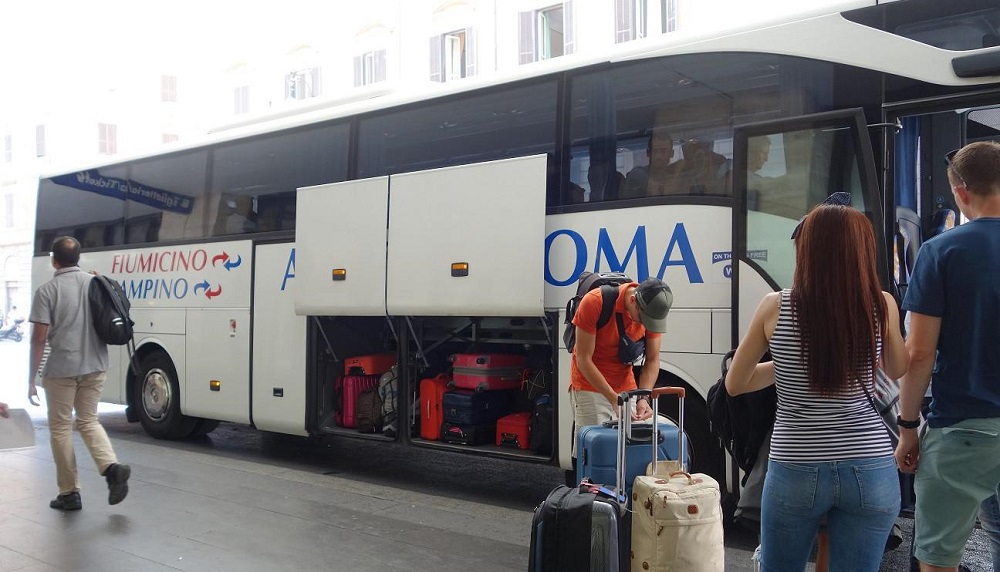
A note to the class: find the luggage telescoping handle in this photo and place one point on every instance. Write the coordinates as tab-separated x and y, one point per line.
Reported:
679	392
625	429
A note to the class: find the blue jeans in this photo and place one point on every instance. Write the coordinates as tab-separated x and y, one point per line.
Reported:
989	517
859	499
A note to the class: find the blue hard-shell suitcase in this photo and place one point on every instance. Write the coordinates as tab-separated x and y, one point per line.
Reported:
597	448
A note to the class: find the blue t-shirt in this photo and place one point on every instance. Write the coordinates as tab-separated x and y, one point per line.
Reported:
957	278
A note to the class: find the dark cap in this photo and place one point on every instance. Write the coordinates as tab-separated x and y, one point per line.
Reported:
654	298
840	198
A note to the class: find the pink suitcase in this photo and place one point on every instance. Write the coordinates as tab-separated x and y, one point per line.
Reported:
488	371
346	394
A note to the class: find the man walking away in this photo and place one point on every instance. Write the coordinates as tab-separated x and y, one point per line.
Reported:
954	304
73	377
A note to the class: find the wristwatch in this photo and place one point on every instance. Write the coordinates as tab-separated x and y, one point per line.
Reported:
905	424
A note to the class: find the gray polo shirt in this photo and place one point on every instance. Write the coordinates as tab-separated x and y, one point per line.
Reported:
62	303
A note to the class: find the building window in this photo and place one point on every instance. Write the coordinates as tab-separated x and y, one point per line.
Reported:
168	137
39	140
107	138
669	11
302	84
8	210
168	88
630	20
369	68
242	94
546	33
8	148
453	55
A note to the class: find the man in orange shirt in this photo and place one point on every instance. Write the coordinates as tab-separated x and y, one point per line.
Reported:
599	372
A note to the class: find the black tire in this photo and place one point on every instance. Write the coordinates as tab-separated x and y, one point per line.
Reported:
706	456
157	397
204	427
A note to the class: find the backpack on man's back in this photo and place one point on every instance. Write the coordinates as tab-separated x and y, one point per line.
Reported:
608	282
109	311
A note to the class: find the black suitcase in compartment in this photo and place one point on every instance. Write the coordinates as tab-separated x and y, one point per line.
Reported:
467	407
464	434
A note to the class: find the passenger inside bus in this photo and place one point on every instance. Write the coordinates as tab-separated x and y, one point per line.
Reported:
659	176
702	171
605	181
243	219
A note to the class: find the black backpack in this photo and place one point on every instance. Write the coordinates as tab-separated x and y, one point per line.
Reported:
109	309
741	422
608	282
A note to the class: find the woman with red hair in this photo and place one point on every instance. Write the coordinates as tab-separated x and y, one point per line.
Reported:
831	458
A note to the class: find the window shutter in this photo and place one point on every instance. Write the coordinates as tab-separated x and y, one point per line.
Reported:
470	52
380	68
568	38
526	38
315	88
359	71
624	20
39	140
437	74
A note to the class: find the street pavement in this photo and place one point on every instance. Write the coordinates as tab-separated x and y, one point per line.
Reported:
241	499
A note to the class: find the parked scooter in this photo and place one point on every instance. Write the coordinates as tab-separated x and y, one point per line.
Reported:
13	331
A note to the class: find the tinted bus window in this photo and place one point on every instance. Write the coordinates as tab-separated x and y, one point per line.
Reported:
88	205
664	127
253	182
167	198
512	122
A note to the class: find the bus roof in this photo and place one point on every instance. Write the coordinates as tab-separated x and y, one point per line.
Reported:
833	37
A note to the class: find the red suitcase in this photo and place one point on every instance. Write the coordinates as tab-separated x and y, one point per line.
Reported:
488	371
347	389
431	406
512	430
374	364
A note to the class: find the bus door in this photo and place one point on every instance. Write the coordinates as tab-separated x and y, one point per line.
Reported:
924	205
782	169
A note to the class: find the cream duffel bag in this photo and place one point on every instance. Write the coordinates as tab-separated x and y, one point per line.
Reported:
677	524
676	516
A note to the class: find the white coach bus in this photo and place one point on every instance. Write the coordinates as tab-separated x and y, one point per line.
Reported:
689	159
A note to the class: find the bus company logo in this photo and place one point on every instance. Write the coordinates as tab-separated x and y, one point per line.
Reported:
677	253
718	257
727	259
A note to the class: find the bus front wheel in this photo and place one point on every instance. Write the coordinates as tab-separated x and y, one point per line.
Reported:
158	396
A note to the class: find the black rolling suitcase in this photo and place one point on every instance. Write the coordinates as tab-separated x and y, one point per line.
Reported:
571	519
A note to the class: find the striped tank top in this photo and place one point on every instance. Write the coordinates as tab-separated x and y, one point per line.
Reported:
810	427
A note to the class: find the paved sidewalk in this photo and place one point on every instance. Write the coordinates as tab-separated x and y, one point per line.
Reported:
196	511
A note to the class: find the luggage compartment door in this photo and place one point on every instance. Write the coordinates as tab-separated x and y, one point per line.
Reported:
490	216
341	227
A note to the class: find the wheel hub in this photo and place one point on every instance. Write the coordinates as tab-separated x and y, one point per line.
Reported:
156	394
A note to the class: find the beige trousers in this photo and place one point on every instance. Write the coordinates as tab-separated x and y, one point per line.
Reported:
62	396
590	408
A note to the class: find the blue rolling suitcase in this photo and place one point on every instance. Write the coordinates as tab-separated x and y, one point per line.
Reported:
597	447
